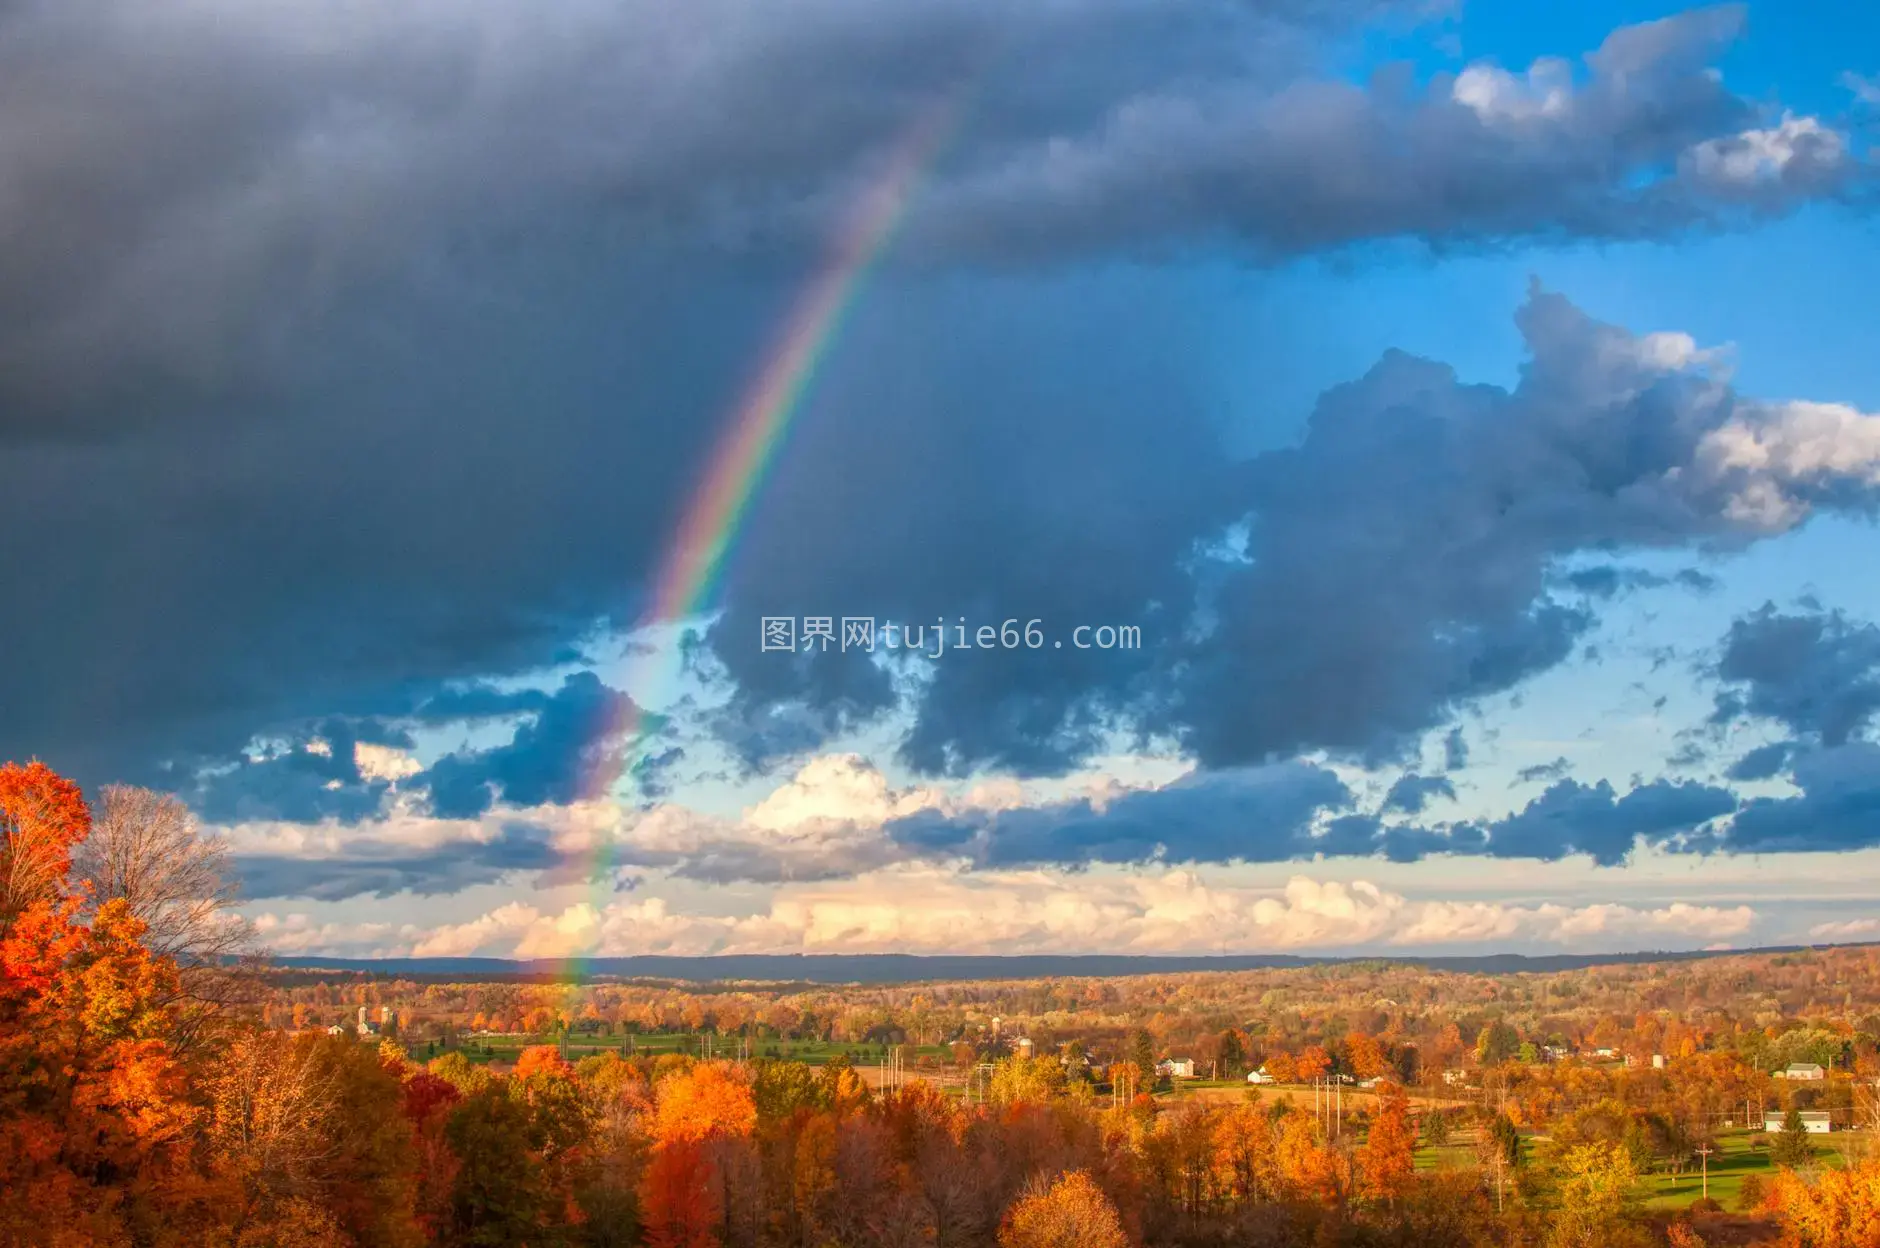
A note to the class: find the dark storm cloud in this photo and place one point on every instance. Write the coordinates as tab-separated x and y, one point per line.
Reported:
372	546
1574	818
1399	564
194	186
1815	672
1636	140
997	491
1411	793
348	358
1256	815
382	868
236	171
1837	809
306	781
1399	559
1272	814
547	760
1762	763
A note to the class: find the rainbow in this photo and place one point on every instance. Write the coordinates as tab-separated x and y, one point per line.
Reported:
696	558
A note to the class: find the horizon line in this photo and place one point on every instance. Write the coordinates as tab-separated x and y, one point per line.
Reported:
875	968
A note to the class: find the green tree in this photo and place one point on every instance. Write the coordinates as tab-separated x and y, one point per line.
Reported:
1503	1139
498	1195
1436	1128
1497	1043
781	1088
1792	1147
371	1166
1142	1057
1233	1054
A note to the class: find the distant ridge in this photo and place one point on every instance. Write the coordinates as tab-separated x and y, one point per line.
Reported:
901	968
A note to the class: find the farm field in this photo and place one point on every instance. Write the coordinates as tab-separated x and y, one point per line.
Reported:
1739	1154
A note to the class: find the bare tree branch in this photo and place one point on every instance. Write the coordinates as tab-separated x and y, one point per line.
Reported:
147	848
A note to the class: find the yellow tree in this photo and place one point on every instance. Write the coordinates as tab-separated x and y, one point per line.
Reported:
1596	1182
1838	1209
1071	1212
1032	1079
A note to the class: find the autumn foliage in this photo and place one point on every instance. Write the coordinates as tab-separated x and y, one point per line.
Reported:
1387	1159
1071	1212
133	1115
1833	1209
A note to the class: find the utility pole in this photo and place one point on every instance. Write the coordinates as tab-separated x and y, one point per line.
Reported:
1704	1153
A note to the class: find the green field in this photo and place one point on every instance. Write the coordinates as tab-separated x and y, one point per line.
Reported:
1458	1154
1736	1156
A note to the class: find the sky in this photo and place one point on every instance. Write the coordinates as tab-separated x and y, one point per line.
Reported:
410	418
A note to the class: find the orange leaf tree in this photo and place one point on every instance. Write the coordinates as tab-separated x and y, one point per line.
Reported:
42	816
678	1198
1072	1212
1387	1160
1837	1209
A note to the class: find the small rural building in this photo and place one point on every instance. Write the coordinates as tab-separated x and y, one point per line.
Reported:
1259	1076
1802	1070
1022	1046
1815	1122
1176	1067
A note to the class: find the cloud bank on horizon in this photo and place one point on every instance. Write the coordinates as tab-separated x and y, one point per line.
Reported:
355	374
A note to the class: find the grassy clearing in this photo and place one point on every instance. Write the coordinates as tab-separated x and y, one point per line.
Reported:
1455	1155
1739	1153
